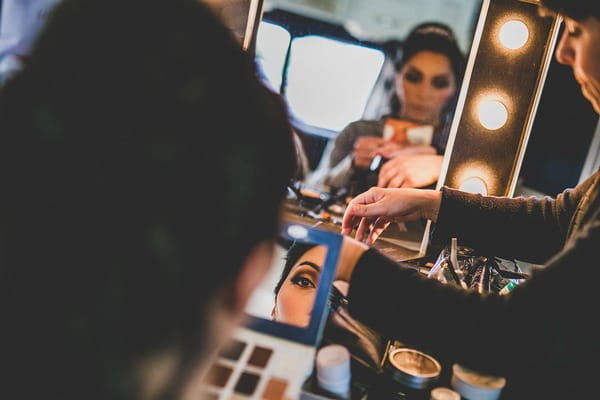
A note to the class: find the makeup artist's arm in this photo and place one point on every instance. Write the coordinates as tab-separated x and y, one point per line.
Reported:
508	335
529	229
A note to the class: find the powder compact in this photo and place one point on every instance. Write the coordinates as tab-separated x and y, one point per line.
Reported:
413	368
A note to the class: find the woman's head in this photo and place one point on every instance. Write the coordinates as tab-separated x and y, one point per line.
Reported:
579	46
296	290
428	74
124	176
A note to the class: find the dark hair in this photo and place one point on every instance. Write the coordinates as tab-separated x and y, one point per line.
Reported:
435	37
293	254
142	160
575	9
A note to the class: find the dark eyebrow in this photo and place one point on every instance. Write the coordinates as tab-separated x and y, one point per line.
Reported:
310	264
412	68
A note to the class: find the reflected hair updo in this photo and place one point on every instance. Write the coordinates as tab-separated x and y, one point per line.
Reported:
435	37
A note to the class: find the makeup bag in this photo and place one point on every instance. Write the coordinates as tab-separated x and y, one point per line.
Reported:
469	269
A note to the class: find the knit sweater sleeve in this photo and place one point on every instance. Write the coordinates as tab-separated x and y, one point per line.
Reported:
529	229
536	332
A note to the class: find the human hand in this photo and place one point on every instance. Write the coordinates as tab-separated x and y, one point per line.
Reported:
389	149
365	148
371	212
410	171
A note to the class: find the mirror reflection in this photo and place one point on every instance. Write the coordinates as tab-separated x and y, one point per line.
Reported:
340	62
287	295
296	289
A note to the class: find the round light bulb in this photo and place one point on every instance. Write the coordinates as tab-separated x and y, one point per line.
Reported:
474	185
492	114
514	34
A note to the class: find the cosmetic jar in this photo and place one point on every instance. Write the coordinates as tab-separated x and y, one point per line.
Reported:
443	393
413	368
333	370
473	385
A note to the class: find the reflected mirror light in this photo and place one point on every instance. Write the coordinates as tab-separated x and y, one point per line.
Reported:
492	114
297	231
474	185
292	294
513	34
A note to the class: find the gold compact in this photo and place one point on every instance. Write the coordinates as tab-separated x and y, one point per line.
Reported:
413	368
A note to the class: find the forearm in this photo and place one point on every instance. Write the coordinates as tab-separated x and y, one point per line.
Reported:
526	229
479	330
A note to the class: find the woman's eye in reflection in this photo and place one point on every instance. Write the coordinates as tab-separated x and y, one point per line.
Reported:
441	82
413	76
302	281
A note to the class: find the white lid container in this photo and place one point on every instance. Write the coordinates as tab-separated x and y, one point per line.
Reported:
333	369
473	385
443	393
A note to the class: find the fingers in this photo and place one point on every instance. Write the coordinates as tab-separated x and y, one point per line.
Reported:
363	228
352	217
364	213
390	178
382	180
389	149
377	229
369	229
385	174
359	207
397	182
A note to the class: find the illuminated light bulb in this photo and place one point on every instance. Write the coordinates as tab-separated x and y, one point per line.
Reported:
474	185
513	34
492	114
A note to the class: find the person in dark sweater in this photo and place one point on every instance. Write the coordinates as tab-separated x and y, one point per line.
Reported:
542	336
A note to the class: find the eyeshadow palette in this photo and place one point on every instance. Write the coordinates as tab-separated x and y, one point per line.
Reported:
272	354
255	367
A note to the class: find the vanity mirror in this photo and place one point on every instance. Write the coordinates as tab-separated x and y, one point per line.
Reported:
333	61
329	59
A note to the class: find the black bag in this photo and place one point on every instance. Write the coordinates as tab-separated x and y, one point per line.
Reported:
366	346
484	273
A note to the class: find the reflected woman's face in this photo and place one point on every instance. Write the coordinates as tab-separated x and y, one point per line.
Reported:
296	297
425	84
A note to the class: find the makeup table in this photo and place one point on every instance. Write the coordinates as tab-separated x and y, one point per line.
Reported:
401	242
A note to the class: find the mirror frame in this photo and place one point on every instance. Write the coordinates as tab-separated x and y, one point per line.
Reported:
516	79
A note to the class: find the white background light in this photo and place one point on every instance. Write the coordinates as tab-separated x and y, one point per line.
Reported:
474	185
513	34
492	114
